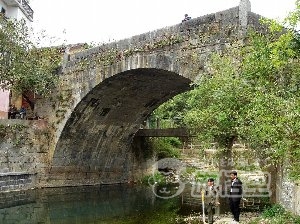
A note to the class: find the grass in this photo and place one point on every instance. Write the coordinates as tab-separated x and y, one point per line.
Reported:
276	214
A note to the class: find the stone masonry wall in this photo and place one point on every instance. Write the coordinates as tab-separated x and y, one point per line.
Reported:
16	181
23	154
288	192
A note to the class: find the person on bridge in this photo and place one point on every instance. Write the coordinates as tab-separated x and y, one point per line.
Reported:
22	112
235	195
12	112
186	18
211	199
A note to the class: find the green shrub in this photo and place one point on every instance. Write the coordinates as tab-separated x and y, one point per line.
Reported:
164	148
276	214
275	210
173	141
203	177
151	179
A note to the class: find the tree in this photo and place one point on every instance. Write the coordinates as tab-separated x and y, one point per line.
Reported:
173	110
23	66
252	93
271	119
215	106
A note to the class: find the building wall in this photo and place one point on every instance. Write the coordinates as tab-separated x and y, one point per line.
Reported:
13	12
4	94
16	13
3	5
4	103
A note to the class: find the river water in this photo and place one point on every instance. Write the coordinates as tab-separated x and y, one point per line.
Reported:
105	204
84	205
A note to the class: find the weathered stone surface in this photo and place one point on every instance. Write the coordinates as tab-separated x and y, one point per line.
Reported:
108	91
104	95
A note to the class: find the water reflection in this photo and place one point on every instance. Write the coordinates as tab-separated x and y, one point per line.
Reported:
118	204
76	205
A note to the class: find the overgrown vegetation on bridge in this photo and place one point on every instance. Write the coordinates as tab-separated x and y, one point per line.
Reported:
250	93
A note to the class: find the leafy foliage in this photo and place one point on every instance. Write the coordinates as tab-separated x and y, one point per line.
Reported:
273	211
203	177
150	179
251	92
174	110
165	147
276	214
23	66
270	121
215	103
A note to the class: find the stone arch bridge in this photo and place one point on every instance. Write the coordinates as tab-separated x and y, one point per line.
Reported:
108	91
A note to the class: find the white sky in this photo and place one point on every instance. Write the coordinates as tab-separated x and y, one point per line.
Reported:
102	21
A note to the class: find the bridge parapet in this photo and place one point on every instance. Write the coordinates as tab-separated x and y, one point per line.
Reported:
203	30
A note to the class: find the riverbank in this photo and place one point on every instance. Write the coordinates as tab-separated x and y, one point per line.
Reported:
245	218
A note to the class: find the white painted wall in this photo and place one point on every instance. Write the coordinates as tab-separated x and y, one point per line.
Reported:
13	12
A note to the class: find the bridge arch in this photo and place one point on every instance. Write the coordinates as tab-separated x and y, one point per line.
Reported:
96	139
112	88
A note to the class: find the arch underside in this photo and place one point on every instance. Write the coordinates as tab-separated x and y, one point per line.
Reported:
95	144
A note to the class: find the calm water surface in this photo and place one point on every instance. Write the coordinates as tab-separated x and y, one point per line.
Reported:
78	205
